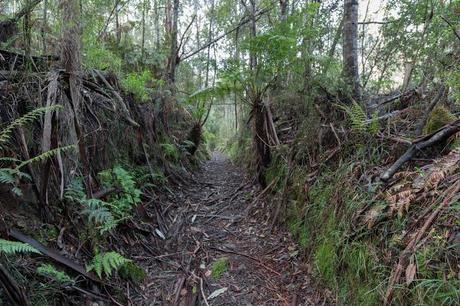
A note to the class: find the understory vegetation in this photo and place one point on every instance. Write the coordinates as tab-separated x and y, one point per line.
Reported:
344	114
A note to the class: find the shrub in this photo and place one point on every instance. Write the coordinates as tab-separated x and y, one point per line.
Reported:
102	59
135	83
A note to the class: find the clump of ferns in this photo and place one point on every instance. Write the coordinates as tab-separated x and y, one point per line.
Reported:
118	207
13	174
359	120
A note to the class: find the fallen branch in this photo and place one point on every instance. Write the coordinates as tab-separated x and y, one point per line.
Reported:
424	142
120	100
434	102
250	257
406	93
52	254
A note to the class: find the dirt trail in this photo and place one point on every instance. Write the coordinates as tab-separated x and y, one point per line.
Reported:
213	220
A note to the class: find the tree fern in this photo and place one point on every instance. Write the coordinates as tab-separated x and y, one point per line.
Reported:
106	263
13	247
59	276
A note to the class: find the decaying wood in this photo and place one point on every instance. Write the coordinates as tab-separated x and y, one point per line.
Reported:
424	142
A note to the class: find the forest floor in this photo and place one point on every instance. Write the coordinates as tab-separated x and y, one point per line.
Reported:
217	252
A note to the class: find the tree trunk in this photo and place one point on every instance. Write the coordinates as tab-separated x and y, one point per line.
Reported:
71	62
144	8
206	80
117	25
157	24
283	9
44	26
350	48
27	36
173	60
253	29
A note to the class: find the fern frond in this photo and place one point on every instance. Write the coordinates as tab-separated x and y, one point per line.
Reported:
75	191
357	116
6	176
106	263
374	125
52	272
99	215
46	155
5	134
13	247
9	159
17	191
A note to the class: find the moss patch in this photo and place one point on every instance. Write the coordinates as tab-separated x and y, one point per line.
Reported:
439	117
219	267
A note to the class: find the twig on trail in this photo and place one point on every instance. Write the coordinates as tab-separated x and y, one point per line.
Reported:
201	288
233	218
263	192
180	284
112	299
89	293
248	256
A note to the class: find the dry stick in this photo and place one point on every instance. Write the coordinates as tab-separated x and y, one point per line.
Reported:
451	26
412	246
421	143
119	99
250	257
432	105
263	192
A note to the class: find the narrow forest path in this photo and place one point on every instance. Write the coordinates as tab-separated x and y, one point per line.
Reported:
215	246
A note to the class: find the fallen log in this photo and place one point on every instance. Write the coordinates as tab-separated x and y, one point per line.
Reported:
421	143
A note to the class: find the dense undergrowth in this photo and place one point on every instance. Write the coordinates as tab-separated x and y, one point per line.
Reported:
347	224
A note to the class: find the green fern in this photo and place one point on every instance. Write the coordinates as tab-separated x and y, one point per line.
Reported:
357	116
374	126
106	215
359	121
106	263
13	247
6	176
170	151
59	276
99	215
5	133
45	155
